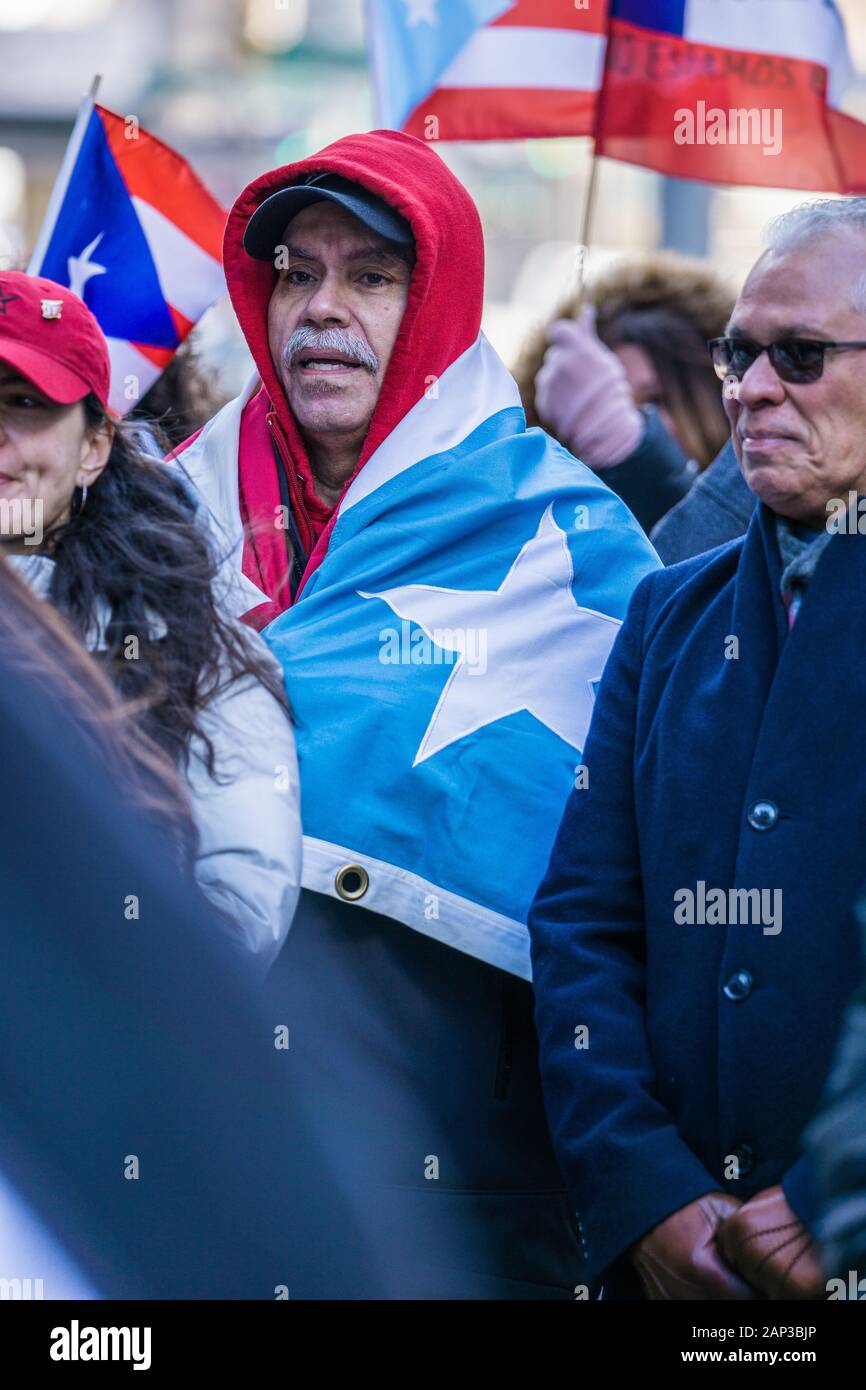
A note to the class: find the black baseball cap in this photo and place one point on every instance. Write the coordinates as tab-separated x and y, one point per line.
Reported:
265	228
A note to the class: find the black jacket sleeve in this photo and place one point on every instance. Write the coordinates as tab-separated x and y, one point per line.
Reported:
655	476
718	509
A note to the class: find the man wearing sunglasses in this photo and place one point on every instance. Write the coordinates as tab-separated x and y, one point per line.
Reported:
695	922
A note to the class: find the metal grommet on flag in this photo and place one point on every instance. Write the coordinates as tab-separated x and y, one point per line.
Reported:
352	882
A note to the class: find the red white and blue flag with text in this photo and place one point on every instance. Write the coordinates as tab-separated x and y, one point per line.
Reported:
730	91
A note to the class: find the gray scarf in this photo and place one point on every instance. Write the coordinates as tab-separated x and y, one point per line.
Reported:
799	557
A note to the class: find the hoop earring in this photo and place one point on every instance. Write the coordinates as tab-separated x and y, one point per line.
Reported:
78	507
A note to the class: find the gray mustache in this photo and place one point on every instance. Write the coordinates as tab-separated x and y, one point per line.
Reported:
333	340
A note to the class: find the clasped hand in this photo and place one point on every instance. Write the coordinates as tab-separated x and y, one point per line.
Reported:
718	1247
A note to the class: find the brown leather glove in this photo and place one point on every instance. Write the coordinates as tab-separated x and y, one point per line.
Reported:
770	1247
678	1258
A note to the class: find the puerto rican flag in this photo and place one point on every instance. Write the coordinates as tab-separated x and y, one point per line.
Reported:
134	233
683	77
486	575
730	91
478	70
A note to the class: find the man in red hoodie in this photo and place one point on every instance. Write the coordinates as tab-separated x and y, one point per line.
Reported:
392	282
333	316
357	276
341	289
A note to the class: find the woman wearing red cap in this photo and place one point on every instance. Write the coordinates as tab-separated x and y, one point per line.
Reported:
109	535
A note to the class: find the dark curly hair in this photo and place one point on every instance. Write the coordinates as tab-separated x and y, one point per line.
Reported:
137	548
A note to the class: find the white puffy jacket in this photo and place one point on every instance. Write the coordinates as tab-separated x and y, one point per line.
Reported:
248	819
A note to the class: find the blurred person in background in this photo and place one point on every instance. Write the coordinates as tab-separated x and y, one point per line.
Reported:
115	544
156	1141
622	378
180	401
711	958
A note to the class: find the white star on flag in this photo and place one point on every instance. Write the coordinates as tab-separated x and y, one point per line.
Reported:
81	268
544	651
421	12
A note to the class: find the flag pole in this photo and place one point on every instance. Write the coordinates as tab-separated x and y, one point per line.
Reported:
378	68
61	183
589	203
586	221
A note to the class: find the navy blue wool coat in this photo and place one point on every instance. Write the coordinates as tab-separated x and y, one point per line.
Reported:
706	1043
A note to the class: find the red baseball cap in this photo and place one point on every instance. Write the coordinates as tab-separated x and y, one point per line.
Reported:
50	336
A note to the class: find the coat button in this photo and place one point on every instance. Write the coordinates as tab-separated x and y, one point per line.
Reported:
763	815
738	987
351	882
746	1159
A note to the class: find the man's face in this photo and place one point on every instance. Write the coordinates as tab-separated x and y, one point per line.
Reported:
801	444
333	319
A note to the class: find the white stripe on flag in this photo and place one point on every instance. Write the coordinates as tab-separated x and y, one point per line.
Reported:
807	29
475	386
506	56
190	279
399	893
132	374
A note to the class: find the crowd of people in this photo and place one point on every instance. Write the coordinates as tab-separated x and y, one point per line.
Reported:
657	1113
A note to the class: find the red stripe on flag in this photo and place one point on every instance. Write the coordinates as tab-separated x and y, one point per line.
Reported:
556	14
651	77
504	113
160	176
160	357
182	325
848	138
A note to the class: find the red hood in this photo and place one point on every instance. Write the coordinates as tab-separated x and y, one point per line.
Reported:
443	312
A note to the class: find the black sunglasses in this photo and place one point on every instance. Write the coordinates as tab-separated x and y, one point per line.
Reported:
793	359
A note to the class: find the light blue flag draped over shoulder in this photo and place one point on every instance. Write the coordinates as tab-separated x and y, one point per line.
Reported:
442	663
